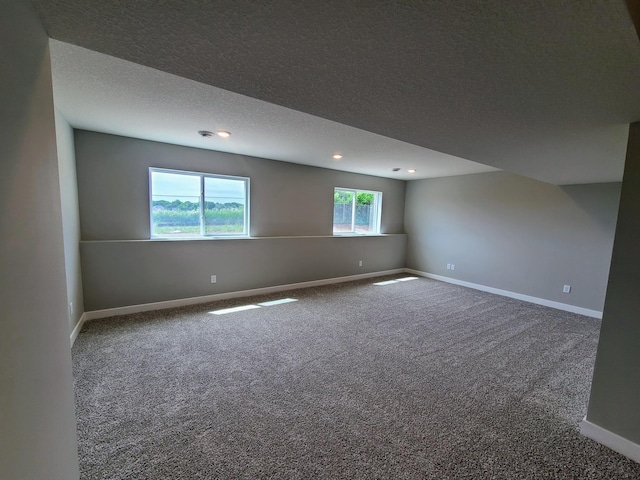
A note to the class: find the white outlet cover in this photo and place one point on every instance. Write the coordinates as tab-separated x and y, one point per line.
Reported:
213	279
566	289
448	266
453	267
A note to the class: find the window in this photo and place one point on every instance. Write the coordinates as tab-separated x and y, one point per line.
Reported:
356	211
189	204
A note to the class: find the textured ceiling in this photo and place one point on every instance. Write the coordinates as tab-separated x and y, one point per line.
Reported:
541	88
107	94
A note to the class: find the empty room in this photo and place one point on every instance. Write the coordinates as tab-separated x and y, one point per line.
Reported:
320	239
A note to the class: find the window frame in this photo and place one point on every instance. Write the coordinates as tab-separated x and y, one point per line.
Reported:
377	203
202	234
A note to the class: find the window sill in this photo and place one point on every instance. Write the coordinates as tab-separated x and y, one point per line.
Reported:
351	234
200	239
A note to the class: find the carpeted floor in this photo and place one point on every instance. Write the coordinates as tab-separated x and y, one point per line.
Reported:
415	379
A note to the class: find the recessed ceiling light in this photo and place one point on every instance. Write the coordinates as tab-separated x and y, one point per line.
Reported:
337	156
205	133
412	170
223	133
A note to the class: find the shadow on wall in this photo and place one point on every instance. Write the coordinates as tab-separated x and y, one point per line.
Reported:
596	203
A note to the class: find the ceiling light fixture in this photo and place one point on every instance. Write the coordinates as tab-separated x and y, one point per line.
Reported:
397	169
412	170
337	156
223	133
205	133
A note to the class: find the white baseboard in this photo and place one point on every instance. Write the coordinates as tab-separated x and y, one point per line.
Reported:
609	439
77	328
111	312
506	293
145	307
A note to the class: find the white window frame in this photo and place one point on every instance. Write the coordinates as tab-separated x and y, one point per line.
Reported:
202	233
377	211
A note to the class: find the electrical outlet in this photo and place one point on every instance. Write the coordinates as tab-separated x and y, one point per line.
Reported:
453	267
448	266
360	263
71	308
566	289
213	279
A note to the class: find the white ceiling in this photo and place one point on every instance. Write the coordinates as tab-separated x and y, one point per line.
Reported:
545	89
107	94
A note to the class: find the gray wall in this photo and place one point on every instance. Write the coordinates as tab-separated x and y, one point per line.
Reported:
37	424
286	198
70	218
291	212
513	233
130	273
615	391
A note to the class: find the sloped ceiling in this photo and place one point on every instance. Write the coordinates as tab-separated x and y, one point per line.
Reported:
101	93
545	89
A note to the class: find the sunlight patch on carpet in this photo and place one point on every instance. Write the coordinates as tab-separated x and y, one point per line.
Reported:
252	307
389	282
278	302
234	309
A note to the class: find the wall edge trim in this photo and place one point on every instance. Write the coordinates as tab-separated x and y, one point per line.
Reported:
609	439
145	307
77	328
506	293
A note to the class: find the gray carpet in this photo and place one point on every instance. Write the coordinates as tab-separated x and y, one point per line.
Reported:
416	379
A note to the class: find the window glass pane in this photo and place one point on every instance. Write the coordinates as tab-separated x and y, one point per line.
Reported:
343	211
356	211
365	213
175	204
224	212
